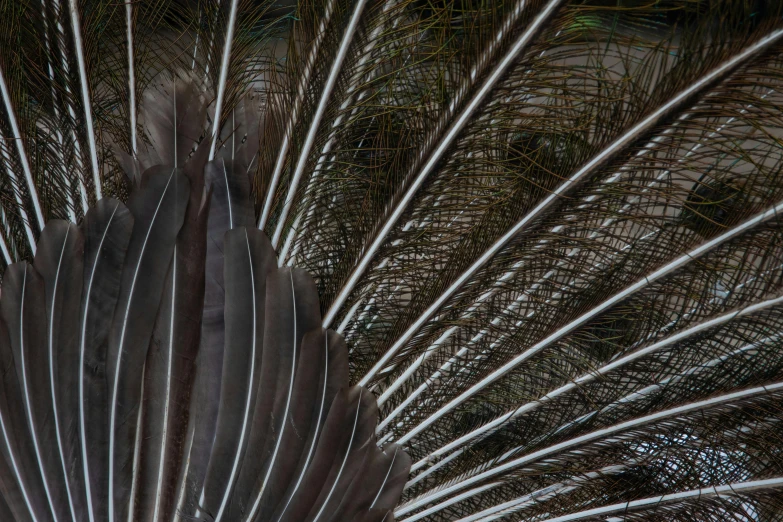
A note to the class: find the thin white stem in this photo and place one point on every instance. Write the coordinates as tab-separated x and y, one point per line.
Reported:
439	465
573	325
9	170
9	451
571	444
577	383
184	483
617	146
211	41
294	118
386	478
524	40
224	64
137	443
28	174
332	139
331	81
65	175
169	376
544	493
4	248
62	46
27	397
321	412
82	365
345	459
53	380
284	418
451	501
246	419
314	180
131	74
82	63
724	491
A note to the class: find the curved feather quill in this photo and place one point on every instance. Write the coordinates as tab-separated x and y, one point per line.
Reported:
23	489
169	367
292	311
107	229
158	211
229	207
249	258
59	261
23	306
331	355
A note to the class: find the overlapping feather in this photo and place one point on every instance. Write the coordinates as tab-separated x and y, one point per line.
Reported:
547	229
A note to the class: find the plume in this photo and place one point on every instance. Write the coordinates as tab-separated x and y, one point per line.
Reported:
376	260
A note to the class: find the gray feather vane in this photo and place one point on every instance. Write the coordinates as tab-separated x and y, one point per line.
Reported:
377	260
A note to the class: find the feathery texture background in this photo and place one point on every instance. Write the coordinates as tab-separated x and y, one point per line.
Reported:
547	229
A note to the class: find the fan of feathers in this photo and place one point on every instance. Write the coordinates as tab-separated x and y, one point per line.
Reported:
375	260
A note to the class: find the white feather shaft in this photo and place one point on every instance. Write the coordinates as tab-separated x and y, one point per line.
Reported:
321	411
345	459
224	64
169	353
440	465
23	160
82	364
573	325
314	185
85	88
228	197
450	502
284	417
597	161
65	175
69	107
137	443
331	81
9	170
292	121
701	494
540	495
446	141
4	248
53	382
9	451
131	75
248	399
386	478
184	475
15	467
571	444
167	396
118	366
27	401
598	373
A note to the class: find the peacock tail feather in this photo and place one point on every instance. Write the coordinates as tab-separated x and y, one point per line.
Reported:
375	260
